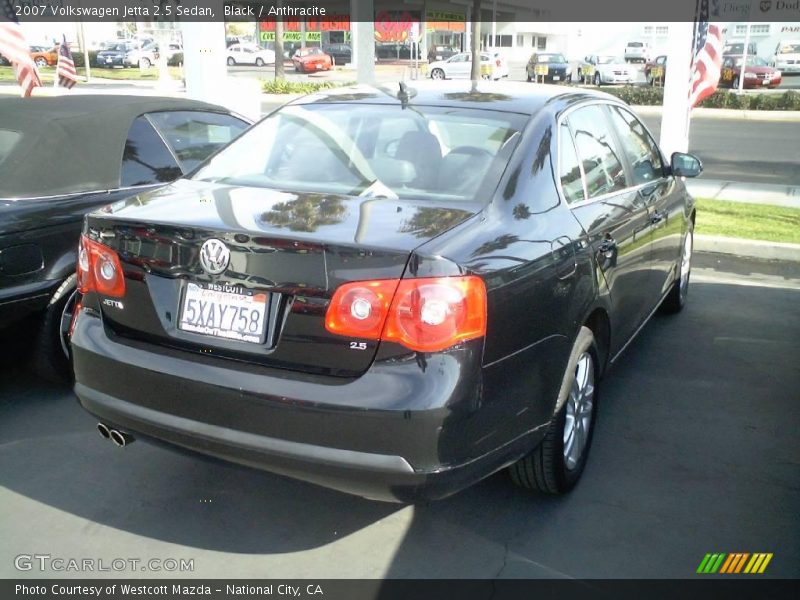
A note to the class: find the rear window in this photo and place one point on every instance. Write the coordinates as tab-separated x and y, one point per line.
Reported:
424	153
635	44
194	135
8	139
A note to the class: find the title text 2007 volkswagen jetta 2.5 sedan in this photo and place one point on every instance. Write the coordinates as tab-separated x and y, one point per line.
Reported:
393	292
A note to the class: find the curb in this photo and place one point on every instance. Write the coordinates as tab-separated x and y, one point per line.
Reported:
750	248
728	113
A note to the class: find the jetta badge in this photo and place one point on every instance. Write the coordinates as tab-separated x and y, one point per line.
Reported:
214	256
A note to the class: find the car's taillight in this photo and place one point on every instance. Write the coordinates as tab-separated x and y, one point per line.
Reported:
425	315
99	269
497	62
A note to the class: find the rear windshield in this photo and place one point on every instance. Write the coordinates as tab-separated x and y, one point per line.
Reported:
605	60
635	44
417	152
752	61
552	58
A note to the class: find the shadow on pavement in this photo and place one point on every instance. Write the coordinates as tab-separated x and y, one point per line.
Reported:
696	451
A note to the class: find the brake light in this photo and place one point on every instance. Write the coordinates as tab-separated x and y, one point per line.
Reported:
99	269
425	315
497	62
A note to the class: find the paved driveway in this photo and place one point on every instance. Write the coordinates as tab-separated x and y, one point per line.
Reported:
697	450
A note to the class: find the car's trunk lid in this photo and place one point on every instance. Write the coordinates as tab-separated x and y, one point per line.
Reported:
288	251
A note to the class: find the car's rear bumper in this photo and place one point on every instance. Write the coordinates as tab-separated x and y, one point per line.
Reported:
403	431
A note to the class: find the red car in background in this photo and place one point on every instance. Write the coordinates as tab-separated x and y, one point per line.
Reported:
757	73
308	60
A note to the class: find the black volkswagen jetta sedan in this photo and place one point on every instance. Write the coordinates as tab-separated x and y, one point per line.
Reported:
393	292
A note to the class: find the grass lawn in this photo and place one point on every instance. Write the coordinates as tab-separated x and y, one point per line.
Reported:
748	221
47	74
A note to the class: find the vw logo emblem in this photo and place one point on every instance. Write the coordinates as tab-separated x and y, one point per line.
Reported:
214	256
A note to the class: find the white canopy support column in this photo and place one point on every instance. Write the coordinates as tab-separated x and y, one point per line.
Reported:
677	85
205	69
362	34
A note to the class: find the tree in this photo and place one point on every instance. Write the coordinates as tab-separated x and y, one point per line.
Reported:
476	40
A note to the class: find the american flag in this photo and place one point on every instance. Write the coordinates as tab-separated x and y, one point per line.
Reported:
706	56
65	71
14	47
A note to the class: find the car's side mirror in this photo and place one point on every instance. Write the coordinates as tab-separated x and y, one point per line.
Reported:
685	165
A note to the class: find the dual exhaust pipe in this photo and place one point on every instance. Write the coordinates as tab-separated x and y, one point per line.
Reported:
120	438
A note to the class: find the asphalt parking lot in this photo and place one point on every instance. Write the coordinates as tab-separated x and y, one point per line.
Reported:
697	450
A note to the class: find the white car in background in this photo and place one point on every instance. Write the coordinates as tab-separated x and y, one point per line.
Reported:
250	54
459	66
787	57
613	69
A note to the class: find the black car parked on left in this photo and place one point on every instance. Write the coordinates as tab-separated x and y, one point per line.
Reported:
62	157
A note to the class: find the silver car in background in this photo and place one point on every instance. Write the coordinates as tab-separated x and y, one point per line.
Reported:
613	69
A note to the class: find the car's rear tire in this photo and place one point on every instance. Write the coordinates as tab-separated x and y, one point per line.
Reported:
439	74
231	61
144	63
598	81
735	83
52	356
556	464
41	62
676	298
259	62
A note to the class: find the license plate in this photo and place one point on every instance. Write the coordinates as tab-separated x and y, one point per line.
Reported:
109	60
234	315
556	77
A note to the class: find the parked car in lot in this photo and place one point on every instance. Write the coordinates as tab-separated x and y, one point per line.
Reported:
757	73
44	56
459	66
127	54
637	52
558	69
787	56
441	53
733	47
432	298
341	54
119	146
309	60
250	54
656	70
601	69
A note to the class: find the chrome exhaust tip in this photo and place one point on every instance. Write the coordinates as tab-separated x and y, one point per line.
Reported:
104	430
120	439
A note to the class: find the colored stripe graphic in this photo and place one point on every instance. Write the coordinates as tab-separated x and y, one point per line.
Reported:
724	563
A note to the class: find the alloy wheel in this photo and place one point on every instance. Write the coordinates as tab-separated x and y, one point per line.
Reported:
437	74
686	263
66	322
579	407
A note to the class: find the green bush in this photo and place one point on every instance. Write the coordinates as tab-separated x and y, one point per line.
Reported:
283	86
654	96
77	58
176	60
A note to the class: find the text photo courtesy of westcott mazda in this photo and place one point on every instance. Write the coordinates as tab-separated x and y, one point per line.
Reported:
395	276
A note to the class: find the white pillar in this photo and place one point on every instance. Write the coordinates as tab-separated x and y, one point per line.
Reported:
743	70
204	56
362	31
675	116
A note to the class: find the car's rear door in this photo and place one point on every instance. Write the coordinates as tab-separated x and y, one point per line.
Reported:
611	212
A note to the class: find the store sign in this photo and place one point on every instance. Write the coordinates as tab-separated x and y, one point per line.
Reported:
444	15
292	36
394	25
331	23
